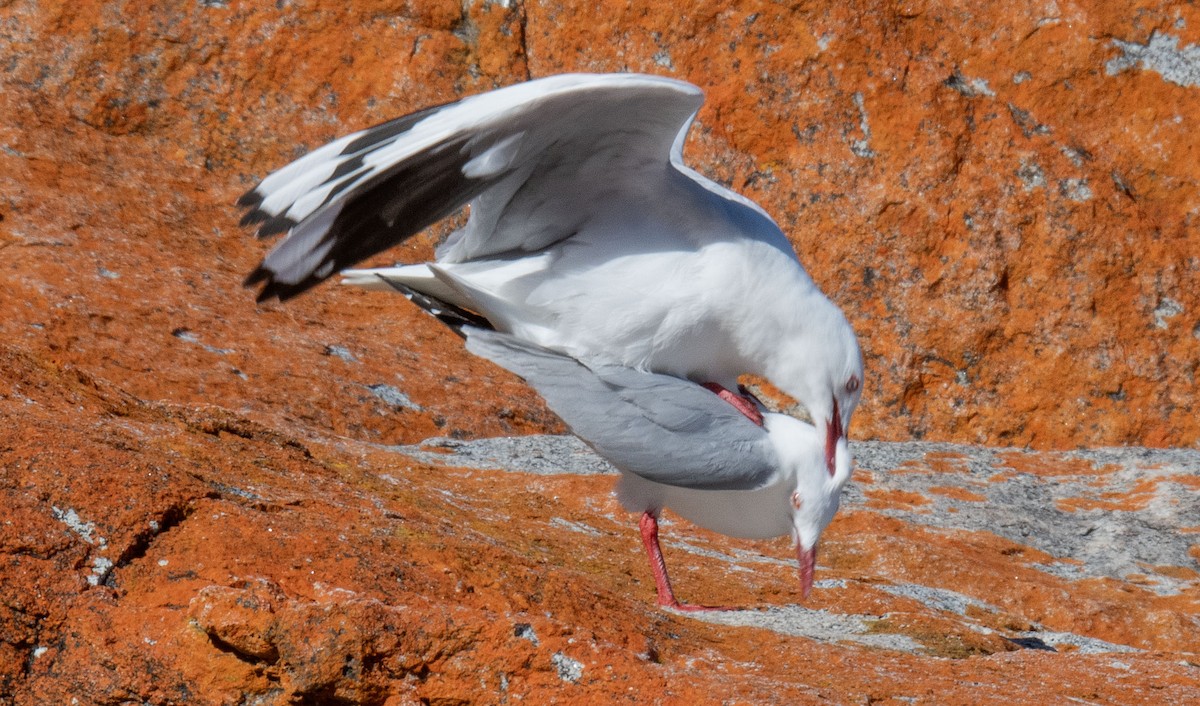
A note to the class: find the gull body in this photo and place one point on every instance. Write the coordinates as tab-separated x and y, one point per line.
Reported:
680	447
590	237
763	512
587	234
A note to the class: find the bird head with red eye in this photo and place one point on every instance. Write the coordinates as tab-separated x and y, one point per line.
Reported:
815	495
826	377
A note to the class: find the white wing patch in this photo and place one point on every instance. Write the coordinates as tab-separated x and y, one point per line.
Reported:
494	160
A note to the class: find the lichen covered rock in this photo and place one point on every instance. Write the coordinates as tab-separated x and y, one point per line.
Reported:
209	501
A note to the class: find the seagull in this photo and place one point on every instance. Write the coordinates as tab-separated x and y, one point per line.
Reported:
587	236
678	446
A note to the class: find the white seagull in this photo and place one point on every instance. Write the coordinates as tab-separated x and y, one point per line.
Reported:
681	447
587	235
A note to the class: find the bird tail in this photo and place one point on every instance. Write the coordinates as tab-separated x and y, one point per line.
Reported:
420	286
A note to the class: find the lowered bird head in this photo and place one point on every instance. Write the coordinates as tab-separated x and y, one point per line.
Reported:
815	492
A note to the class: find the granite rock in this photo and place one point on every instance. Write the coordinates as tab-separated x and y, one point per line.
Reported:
209	501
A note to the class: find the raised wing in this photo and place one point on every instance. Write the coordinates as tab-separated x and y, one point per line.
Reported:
531	159
665	429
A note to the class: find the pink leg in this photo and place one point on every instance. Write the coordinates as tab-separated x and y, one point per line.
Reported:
666	597
744	402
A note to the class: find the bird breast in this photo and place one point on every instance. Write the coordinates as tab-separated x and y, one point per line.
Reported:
748	514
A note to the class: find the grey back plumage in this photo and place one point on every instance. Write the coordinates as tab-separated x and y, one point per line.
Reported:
662	428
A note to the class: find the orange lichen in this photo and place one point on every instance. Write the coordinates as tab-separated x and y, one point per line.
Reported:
944	462
1053	465
935	165
885	498
958	493
1136	498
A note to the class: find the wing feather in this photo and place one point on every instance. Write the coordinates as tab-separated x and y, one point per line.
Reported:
662	428
538	152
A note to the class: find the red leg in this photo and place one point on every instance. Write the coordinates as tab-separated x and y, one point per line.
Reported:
649	527
744	403
666	597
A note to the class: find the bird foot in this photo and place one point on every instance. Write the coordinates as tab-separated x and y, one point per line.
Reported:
695	608
744	402
658	565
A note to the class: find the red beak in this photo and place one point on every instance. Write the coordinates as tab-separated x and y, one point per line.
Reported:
808	564
833	434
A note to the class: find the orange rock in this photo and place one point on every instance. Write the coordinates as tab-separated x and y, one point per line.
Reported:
1037	203
884	499
199	502
958	493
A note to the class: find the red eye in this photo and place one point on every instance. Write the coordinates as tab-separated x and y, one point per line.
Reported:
852	384
796	502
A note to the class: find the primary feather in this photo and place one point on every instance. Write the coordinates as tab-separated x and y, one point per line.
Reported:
507	149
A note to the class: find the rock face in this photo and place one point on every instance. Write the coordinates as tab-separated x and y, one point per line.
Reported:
1002	197
156	552
207	501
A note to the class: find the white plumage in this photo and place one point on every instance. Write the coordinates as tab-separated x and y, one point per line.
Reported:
587	235
681	447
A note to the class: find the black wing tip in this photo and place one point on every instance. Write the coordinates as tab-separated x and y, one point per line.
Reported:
273	288
385	131
275	225
259	274
453	317
251	199
253	217
268	224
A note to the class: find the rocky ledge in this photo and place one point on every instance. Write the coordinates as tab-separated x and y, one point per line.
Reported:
159	553
207	501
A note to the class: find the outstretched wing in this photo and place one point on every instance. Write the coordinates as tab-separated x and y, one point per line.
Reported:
531	159
663	428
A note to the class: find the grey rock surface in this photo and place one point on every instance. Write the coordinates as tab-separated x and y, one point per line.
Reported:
1115	539
1024	507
